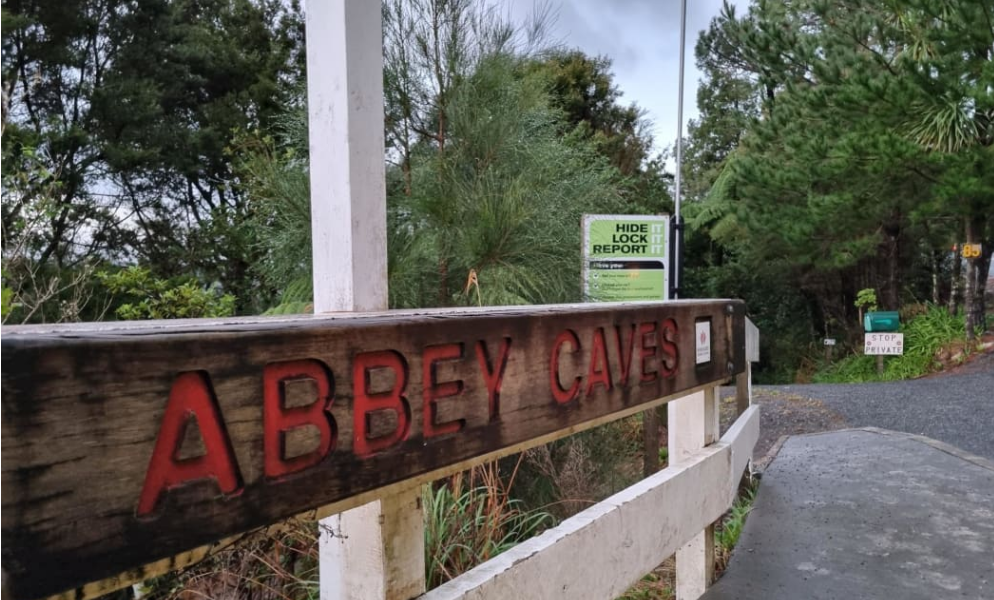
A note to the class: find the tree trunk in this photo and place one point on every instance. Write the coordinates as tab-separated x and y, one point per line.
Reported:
983	265
890	298
955	283
936	270
983	268
972	304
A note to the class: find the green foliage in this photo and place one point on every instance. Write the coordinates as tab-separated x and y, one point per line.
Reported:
582	88
840	146
650	587
505	200
464	528
274	176
7	303
866	299
924	337
147	297
727	533
125	161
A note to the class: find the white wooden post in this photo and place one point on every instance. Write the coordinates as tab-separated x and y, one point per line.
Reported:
693	424
743	381
375	551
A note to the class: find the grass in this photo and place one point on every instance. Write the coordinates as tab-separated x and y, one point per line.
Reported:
727	532
653	586
924	337
467	523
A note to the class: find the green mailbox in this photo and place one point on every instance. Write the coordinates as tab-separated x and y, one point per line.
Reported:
881	321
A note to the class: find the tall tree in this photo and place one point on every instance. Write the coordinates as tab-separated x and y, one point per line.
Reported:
584	89
840	170
130	106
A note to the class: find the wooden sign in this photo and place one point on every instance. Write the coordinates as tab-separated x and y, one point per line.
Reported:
128	443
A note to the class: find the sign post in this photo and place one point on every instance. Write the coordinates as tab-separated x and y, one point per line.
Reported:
881	345
375	550
626	257
829	345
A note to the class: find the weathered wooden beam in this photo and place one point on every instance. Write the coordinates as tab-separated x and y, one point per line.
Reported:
123	445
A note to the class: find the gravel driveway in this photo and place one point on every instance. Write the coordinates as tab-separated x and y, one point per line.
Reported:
956	408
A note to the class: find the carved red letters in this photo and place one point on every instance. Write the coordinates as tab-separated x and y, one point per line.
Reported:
647	350
563	395
278	419
671	352
433	390
658	355
625	359
600	370
366	402
493	376
379	387
191	399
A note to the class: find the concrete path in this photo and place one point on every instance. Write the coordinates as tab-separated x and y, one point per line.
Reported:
867	514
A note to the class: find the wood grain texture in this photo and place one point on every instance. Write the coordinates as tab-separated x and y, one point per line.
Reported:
83	408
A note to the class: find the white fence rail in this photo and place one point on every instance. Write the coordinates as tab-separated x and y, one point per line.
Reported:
602	551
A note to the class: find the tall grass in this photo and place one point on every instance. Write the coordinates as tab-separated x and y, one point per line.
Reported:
924	337
727	533
467	523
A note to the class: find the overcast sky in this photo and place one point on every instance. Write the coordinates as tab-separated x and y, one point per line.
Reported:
642	39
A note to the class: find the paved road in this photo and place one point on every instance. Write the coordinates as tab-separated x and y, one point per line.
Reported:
956	408
890	517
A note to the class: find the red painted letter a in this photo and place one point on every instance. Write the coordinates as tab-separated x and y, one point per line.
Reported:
191	398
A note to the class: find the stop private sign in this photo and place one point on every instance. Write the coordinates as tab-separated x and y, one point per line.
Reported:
884	344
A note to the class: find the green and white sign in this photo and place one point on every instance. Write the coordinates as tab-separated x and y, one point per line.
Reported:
626	257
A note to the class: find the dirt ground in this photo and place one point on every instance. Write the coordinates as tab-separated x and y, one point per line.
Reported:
782	414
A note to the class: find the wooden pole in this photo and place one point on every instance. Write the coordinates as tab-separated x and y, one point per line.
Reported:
743	390
694	424
650	442
377	550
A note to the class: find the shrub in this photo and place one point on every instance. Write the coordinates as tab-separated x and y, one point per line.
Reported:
147	297
924	338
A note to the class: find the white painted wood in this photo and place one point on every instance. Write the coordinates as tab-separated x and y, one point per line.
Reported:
695	565
603	550
626	536
752	341
351	538
693	425
742	437
685	423
375	551
348	185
